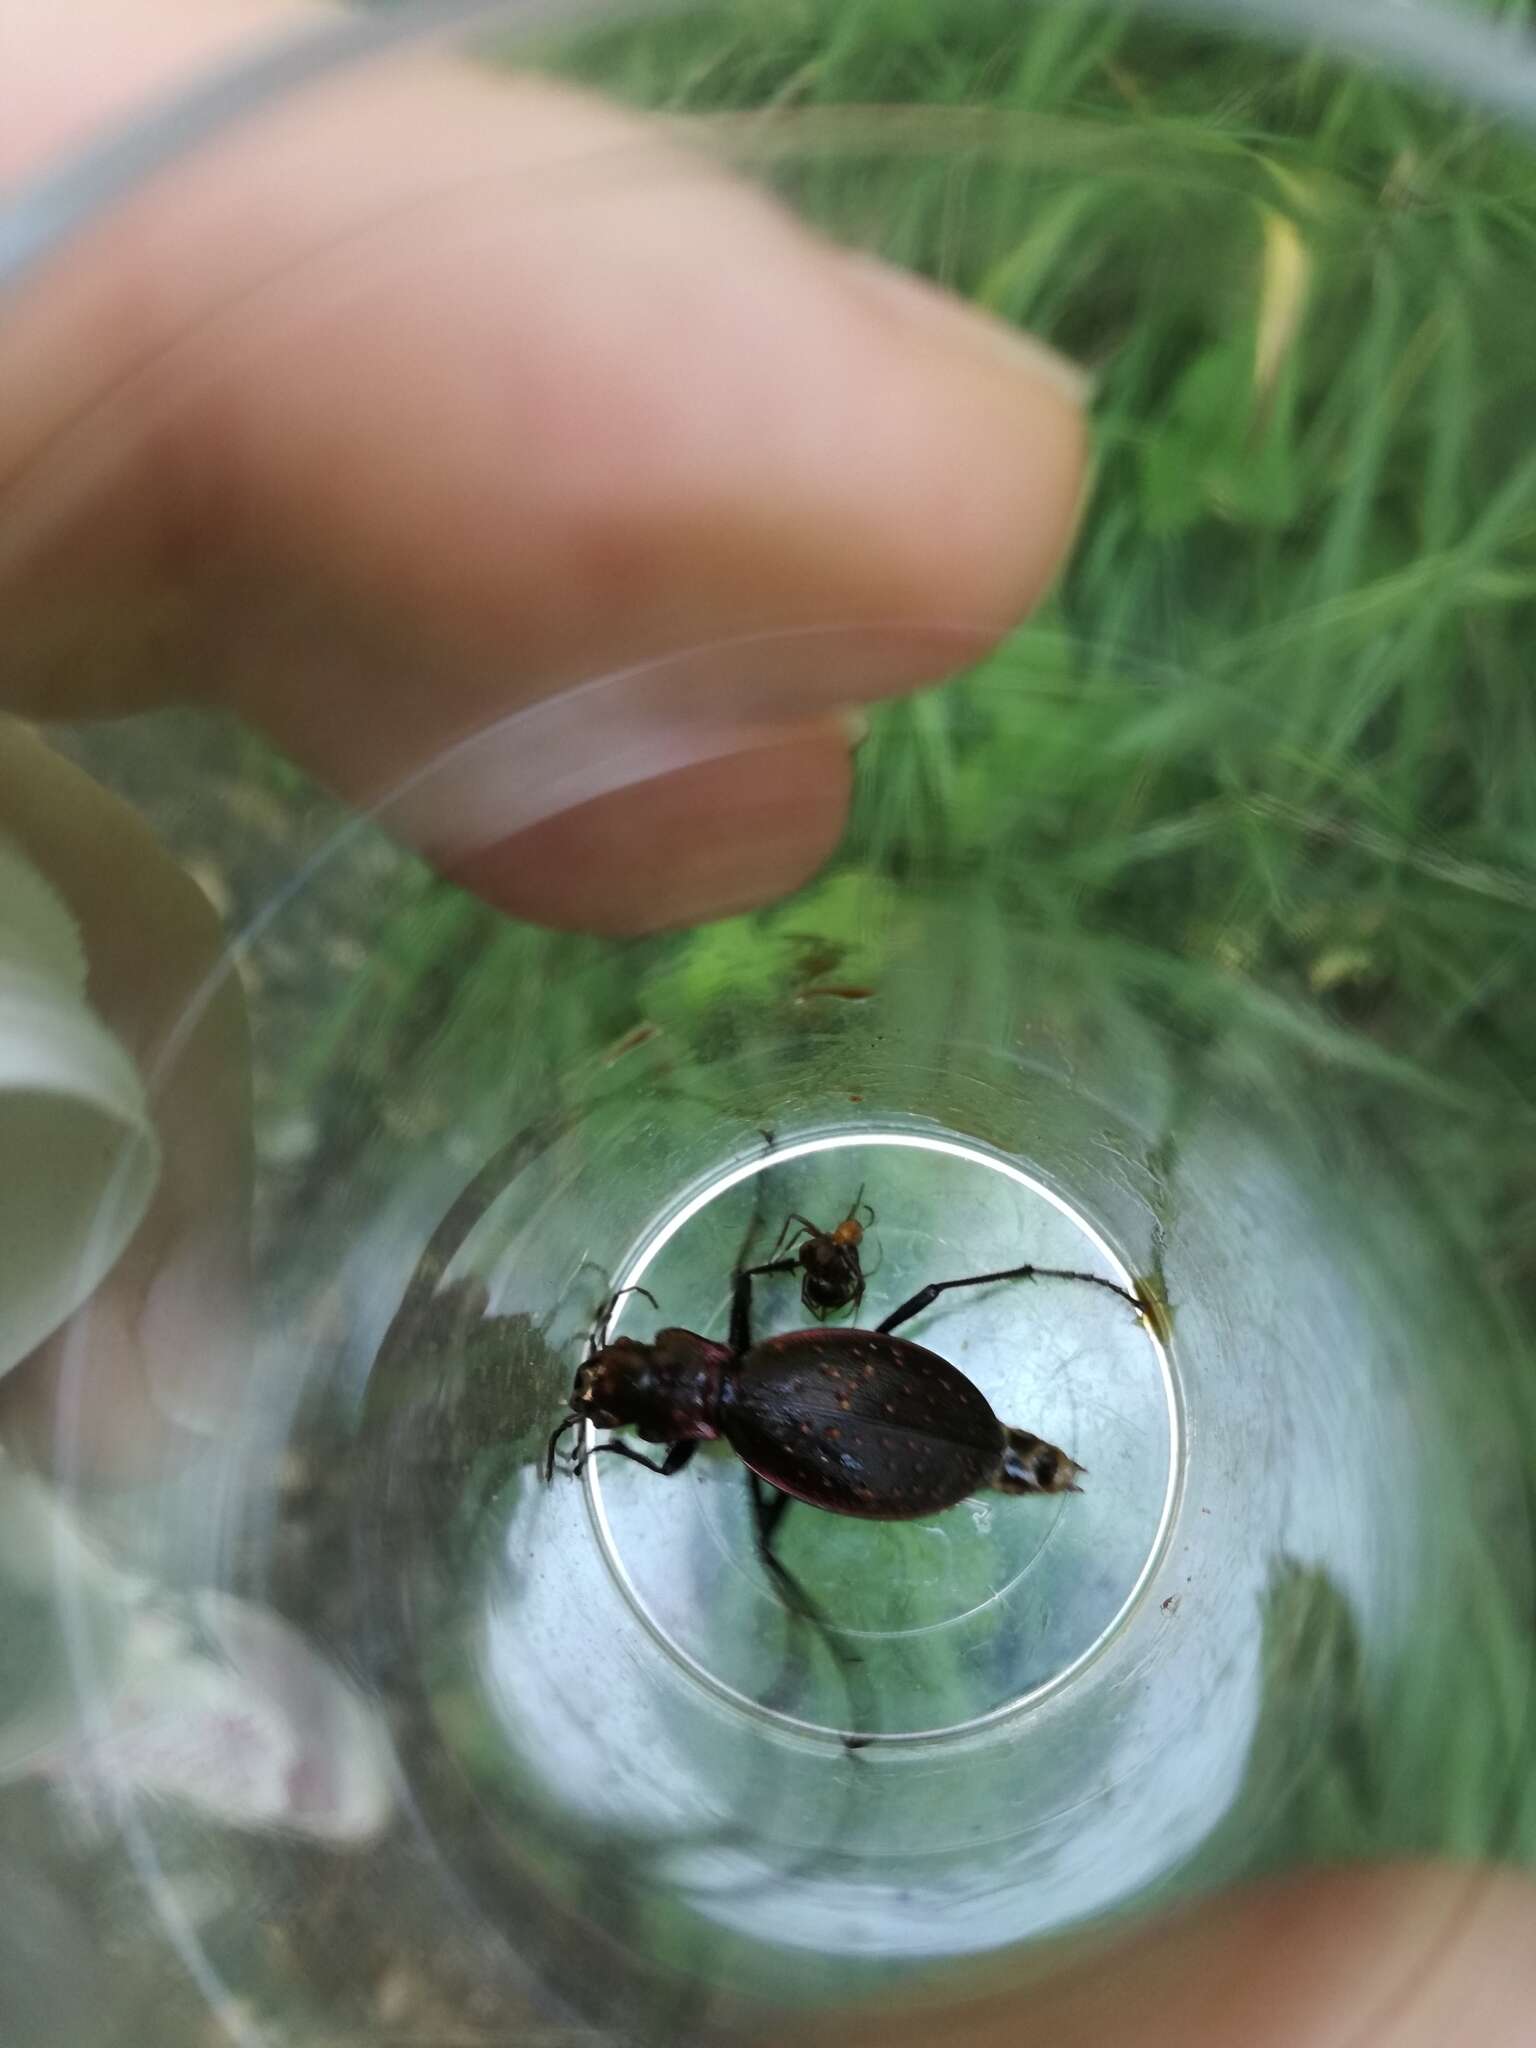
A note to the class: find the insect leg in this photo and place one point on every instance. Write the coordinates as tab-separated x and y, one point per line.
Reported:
741	1300
867	1273
795	1227
570	1422
673	1463
741	1313
769	1507
600	1322
931	1293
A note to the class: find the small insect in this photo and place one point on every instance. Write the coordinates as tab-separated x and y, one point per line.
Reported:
831	1262
856	1422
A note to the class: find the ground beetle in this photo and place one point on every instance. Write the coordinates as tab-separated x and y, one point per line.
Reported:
858	1422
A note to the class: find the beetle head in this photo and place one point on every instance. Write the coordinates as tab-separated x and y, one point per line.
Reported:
614	1383
664	1389
1031	1465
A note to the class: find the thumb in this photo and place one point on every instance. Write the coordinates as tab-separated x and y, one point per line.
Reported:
382	445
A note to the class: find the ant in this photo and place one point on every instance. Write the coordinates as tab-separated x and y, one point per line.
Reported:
832	1274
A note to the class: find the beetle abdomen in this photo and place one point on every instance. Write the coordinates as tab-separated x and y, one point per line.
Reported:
860	1424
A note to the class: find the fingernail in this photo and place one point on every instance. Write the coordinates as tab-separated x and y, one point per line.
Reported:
961	324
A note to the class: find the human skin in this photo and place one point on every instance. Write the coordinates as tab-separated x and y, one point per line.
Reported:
372	490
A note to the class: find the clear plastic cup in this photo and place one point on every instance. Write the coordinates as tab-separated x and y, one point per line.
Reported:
1214	993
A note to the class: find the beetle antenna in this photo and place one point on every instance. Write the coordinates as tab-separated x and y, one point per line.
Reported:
605	1313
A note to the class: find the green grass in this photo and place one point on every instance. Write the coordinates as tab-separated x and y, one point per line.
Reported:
1277	718
1266	755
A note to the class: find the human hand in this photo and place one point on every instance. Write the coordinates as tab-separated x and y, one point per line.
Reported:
375	490
376	446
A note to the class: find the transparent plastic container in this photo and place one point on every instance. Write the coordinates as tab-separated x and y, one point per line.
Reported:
1195	997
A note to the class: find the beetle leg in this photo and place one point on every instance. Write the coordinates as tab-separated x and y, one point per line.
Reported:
929	1294
769	1508
673	1463
570	1422
741	1300
741	1313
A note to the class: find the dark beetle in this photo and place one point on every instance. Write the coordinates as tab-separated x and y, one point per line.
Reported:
852	1421
831	1263
858	1422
